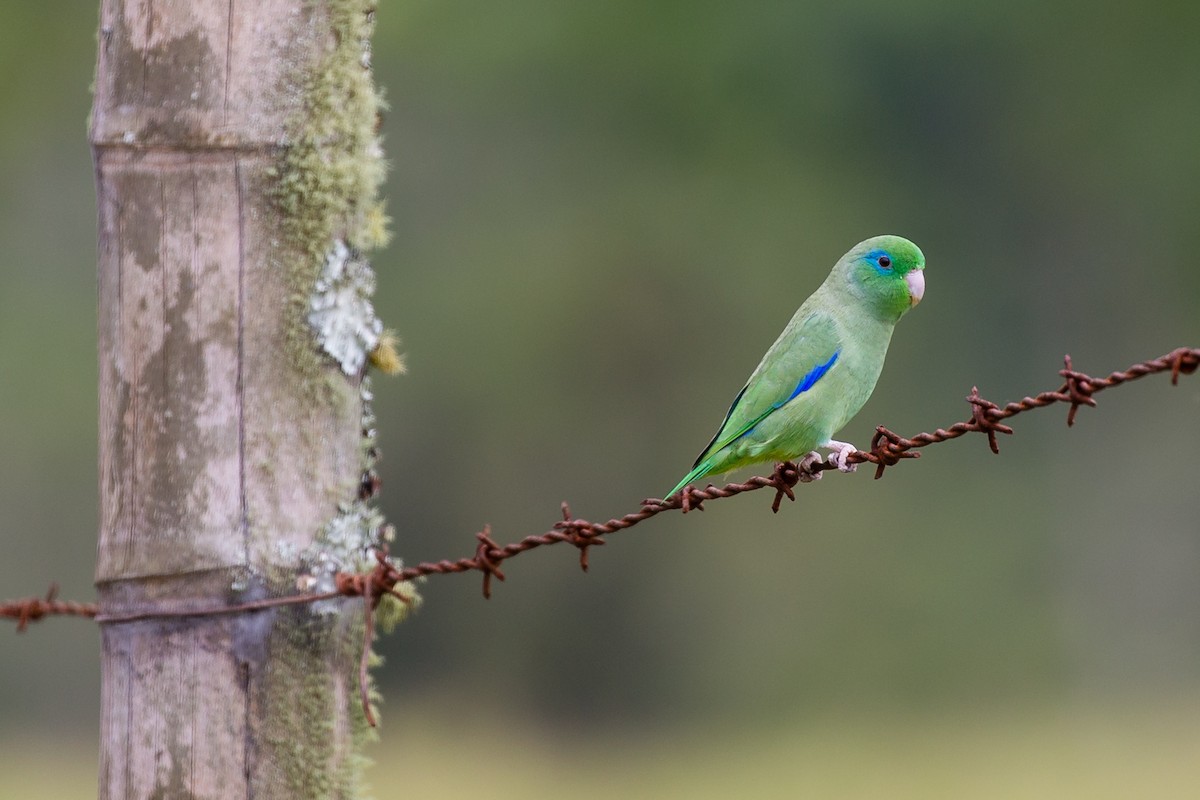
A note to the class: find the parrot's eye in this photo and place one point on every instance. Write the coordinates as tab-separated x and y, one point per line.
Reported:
885	262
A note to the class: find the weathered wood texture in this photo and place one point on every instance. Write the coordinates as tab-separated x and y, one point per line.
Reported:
215	468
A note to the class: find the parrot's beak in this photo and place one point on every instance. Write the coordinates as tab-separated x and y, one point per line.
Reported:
916	285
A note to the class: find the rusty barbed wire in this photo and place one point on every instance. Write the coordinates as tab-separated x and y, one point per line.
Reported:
887	449
32	609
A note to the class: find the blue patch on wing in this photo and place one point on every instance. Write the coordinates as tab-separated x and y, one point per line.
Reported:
807	382
815	374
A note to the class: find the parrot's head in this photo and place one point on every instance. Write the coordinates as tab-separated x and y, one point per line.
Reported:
886	273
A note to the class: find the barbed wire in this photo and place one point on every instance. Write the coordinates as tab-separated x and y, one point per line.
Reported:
887	449
32	609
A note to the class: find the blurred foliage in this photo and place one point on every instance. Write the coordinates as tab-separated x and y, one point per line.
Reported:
604	213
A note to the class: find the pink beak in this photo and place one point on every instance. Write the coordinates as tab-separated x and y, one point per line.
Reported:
916	285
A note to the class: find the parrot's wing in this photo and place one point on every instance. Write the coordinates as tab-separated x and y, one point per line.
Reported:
802	355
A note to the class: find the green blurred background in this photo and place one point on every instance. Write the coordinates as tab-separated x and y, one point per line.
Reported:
604	213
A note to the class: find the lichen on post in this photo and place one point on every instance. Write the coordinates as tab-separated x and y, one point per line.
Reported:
237	169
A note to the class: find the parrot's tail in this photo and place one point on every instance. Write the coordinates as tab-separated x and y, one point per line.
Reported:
698	471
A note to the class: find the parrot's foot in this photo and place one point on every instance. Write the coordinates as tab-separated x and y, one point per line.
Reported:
805	467
839	452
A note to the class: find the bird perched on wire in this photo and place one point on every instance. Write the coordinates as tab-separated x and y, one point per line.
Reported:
824	365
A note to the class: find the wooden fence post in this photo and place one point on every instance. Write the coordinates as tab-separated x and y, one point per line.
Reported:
236	169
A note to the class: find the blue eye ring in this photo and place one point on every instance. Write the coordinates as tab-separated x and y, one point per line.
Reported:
881	260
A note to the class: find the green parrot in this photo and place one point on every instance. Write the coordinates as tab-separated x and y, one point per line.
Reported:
824	365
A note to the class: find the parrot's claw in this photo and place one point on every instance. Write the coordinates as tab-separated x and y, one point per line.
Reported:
805	467
839	453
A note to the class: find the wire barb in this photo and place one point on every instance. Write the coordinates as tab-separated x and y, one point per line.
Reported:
787	474
887	450
488	556
1078	389
579	533
1183	361
982	413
